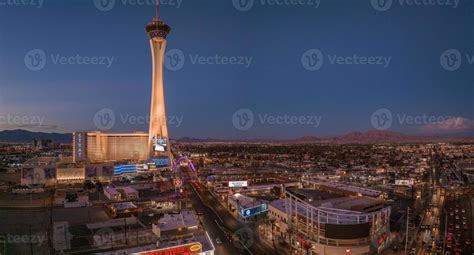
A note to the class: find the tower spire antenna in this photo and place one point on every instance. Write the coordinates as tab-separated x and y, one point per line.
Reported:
157	9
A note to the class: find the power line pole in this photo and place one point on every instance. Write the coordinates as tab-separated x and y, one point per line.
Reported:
406	232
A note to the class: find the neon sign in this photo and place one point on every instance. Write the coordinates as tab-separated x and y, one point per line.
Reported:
188	249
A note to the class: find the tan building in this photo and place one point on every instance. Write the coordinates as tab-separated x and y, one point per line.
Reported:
102	147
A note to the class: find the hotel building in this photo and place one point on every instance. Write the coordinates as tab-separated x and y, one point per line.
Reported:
139	146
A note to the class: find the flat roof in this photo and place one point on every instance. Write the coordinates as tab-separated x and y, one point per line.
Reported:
352	203
316	194
245	201
184	219
124	205
42	161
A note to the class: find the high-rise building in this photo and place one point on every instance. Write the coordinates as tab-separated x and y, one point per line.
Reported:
158	139
138	146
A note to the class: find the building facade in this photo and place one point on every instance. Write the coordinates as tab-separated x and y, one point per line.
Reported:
102	147
326	229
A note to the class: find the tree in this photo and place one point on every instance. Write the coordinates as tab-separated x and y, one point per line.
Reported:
272	222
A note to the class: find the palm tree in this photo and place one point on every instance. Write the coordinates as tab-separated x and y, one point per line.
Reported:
290	231
272	222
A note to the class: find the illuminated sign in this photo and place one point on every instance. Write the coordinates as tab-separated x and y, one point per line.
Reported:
238	184
382	239
187	249
161	162
249	212
178	183
159	144
80	144
406	182
124	169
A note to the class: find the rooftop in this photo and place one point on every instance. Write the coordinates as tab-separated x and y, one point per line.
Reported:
184	219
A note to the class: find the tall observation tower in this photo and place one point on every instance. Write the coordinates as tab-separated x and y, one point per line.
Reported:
158	140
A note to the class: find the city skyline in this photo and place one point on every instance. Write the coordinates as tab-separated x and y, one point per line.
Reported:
274	83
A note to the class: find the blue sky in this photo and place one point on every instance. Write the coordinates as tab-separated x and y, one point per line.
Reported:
271	81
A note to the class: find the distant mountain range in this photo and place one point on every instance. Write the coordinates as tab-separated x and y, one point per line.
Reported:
23	136
372	136
378	136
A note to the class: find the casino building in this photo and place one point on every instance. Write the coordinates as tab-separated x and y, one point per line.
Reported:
139	146
101	147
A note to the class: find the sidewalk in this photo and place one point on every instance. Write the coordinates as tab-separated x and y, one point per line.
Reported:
279	249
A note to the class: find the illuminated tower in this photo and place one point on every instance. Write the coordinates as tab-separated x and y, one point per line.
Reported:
158	140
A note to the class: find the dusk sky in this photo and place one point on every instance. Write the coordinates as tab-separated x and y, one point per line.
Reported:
266	48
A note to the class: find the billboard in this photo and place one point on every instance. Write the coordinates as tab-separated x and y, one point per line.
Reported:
185	249
161	162
347	231
125	169
405	182
249	212
238	184
160	144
